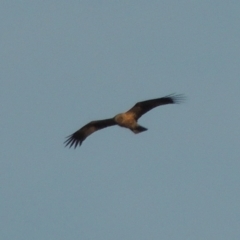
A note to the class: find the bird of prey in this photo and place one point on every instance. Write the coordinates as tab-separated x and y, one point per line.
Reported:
127	119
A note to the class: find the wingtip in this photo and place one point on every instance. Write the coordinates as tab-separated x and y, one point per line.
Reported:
177	98
72	142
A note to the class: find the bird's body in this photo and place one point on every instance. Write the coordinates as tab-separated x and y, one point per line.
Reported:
127	119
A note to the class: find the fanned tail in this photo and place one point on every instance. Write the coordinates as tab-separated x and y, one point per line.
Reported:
139	129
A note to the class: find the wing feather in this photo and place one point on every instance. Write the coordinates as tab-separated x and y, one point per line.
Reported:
141	108
79	136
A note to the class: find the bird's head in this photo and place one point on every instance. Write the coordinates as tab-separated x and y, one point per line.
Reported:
119	118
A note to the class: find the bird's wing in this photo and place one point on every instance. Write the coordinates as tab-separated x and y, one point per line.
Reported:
79	136
141	108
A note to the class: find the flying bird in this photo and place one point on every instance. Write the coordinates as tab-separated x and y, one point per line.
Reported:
127	119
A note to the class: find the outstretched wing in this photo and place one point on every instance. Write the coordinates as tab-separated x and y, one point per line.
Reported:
79	136
141	108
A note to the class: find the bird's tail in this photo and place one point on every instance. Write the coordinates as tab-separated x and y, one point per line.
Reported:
139	129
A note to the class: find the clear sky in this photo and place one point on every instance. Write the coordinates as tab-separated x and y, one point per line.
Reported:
65	63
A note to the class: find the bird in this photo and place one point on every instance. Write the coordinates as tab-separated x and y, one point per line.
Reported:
127	119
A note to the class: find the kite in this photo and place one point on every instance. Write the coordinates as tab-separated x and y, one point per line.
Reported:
127	119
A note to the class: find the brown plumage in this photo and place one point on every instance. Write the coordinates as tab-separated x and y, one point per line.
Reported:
127	119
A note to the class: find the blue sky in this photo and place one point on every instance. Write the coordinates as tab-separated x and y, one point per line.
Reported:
65	63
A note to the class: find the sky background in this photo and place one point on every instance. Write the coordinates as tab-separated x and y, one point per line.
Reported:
65	63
